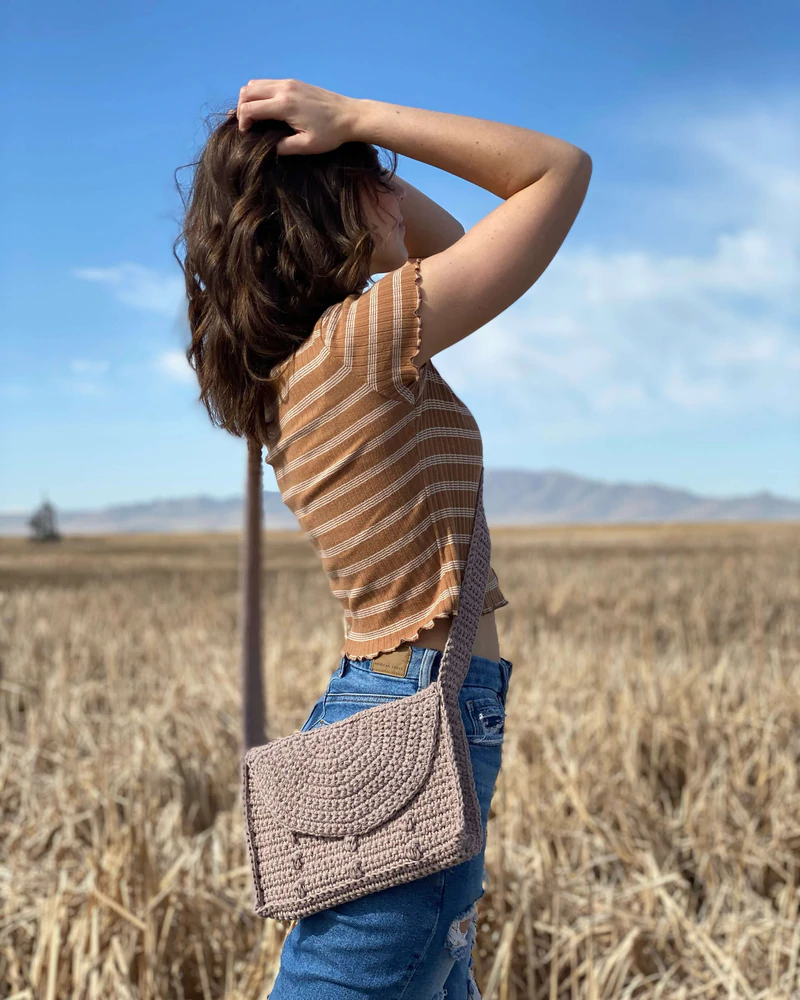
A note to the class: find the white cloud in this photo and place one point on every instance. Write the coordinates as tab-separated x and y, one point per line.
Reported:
138	286
616	395
691	391
761	347
15	390
85	388
715	329
174	365
80	366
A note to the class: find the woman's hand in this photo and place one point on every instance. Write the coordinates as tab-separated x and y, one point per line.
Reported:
322	119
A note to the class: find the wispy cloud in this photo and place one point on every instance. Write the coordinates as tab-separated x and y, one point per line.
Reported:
15	390
174	365
82	387
86	378
609	336
139	286
82	367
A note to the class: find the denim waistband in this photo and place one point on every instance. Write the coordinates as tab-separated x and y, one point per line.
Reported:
424	668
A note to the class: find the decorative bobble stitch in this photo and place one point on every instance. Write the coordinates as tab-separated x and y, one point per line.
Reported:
413	851
297	860
300	889
350	843
408	823
354	869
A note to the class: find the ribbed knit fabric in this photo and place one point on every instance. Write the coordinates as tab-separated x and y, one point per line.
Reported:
379	461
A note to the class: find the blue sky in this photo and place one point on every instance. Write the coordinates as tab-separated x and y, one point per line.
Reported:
660	345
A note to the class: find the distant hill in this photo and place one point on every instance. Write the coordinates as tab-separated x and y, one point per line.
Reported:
511	496
516	496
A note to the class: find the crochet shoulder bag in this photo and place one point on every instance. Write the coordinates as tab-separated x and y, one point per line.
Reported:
382	797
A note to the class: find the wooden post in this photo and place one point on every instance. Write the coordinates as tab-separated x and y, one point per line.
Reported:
252	674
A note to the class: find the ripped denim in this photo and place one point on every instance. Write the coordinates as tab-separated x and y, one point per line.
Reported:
412	941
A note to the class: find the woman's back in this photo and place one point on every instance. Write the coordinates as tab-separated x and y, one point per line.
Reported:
380	462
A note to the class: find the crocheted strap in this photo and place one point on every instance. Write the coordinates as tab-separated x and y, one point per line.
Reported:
461	638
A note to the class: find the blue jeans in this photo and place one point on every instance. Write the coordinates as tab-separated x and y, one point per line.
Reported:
412	941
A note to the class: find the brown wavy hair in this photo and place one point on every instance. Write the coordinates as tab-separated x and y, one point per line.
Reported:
270	242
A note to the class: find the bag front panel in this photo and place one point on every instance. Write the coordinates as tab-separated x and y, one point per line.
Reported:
297	874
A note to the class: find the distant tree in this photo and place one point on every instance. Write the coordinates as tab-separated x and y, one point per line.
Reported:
43	524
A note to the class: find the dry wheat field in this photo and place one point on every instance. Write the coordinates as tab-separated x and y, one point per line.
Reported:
645	835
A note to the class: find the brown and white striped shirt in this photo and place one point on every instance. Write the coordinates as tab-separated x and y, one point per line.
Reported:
379	461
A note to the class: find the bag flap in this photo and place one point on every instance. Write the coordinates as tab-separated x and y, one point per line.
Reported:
352	775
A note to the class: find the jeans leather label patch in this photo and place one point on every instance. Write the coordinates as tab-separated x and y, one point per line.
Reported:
394	663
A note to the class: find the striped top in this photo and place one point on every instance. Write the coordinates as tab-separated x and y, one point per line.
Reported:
379	461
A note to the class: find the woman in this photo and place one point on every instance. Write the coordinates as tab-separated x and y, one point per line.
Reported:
291	212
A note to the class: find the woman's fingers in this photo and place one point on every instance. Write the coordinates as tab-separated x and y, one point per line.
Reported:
252	111
255	90
318	117
261	88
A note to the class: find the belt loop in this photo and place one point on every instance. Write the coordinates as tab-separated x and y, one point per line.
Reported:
506	676
428	656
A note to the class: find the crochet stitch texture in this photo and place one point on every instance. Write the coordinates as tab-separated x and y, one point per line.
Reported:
382	797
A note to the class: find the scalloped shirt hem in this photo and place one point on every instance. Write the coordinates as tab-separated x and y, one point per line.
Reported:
394	643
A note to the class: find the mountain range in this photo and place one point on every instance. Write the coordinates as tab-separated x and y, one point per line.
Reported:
511	497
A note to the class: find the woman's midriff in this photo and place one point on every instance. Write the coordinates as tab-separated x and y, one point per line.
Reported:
486	641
